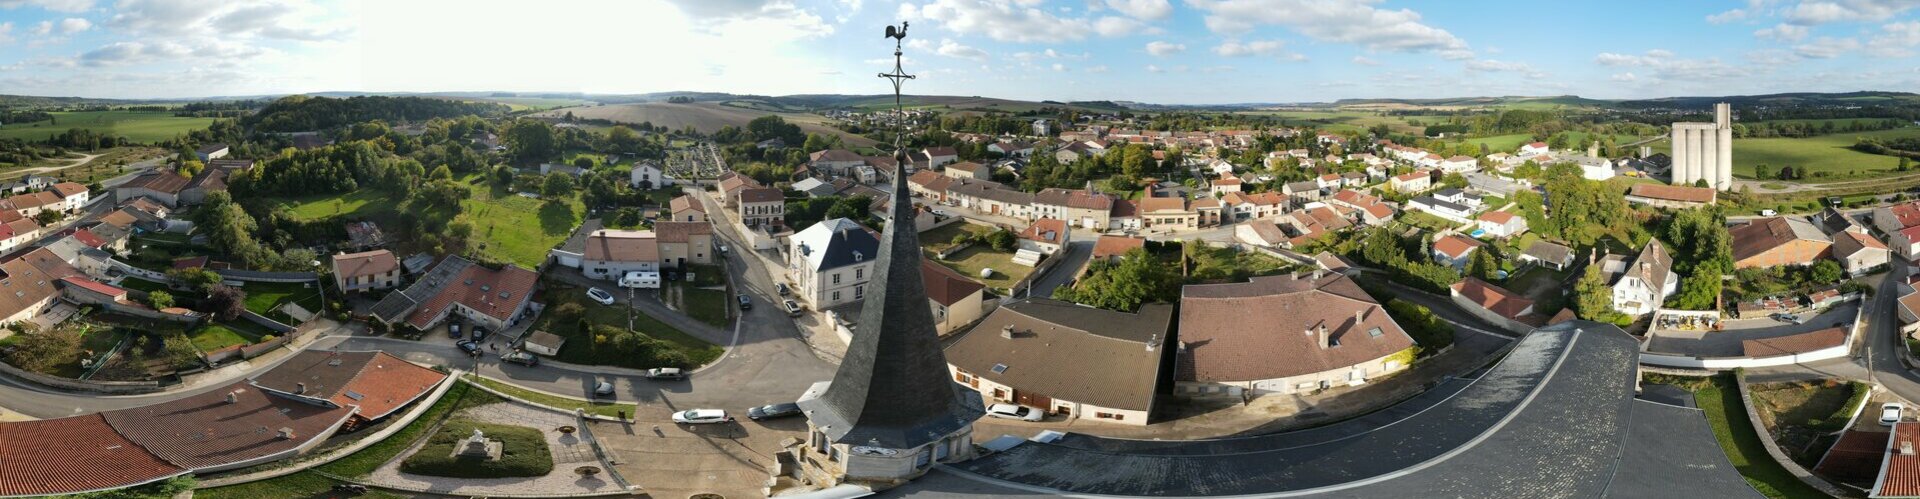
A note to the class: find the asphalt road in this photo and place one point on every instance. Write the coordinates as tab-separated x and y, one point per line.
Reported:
1877	358
1072	259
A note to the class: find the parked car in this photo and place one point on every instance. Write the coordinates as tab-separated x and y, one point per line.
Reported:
745	302
479	333
1013	411
723	250
701	416
1891	412
1789	318
673	275
782	288
453	330
1768	213
793	308
471	348
666	373
600	295
602	389
520	357
773	411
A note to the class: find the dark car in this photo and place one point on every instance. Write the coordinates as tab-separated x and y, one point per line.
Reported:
782	288
672	275
602	389
520	357
453	330
745	302
773	411
479	333
471	348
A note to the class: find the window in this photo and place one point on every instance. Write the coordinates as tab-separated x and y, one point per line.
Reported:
859	274
1374	333
857	291
836	278
836	296
999	368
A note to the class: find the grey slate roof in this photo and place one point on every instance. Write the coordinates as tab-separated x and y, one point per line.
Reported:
1555	418
892	389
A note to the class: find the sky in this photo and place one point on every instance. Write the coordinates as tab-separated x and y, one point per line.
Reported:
1155	51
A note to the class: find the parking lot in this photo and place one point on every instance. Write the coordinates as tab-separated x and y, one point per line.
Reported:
1727	342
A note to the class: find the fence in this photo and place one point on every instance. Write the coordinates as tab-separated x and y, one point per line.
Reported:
260	276
101	387
262	320
1844	349
1773	449
131	270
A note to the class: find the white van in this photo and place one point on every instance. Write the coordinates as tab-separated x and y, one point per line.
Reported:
637	279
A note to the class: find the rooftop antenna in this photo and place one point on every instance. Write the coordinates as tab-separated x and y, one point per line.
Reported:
898	76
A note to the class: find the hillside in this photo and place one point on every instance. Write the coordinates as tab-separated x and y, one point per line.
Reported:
703	116
1510	102
1797	98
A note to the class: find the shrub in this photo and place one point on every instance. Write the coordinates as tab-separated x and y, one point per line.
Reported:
1431	333
523	453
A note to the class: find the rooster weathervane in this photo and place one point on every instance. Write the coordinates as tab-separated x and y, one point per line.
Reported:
898	76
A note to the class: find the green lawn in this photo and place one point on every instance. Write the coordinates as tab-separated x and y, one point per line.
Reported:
366	460
1721	401
305	484
608	409
968	262
523	452
1501	143
1826	153
580	345
213	337
1427	221
706	305
513	228
138	126
942	238
357	203
263	297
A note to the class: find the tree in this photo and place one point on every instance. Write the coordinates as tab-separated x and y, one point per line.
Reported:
1002	240
503	175
160	299
441	173
1482	265
191	167
1593	299
199	279
626	216
1827	271
46	217
46	351
558	186
583	162
224	302
531	141
1136	278
1760	172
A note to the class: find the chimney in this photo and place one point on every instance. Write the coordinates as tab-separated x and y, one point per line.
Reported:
1324	339
233	397
1906	447
299	388
1007	332
1359	316
1317	272
286	433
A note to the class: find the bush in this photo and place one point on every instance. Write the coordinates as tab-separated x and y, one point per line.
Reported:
1431	333
1860	392
524	453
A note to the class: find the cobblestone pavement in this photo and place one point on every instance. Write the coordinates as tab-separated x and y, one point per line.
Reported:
569	452
675	461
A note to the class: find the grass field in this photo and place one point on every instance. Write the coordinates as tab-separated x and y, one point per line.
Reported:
138	126
213	337
359	202
513	228
263	297
968	262
1720	400
1827	153
608	409
580	348
704	116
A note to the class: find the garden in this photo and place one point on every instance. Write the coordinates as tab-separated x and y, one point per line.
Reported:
597	334
1803	416
523	452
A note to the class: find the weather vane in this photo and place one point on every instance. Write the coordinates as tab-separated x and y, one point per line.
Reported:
897	76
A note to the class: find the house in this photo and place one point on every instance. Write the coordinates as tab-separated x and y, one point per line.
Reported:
761	206
162	185
939	156
835	161
1225	185
1501	224
813	187
1016	149
1775	241
1672	196
1284	334
366	270
1594	168
648	175
612	253
1411	182
1833	221
1084	208
1209	211
831	261
492	298
1310	223
1441	208
365	235
30	278
1111	248
991	198
1547	254
1899	464
30	182
1859	252
1454	250
969	170
731	183
1303	192
32	203
1067	359
1369	210
1169	212
211	179
955	300
75	196
544	343
1496	185
1261	232
1642	283
687	209
1493	303
683	243
1459	164
1534	149
210	152
1046	236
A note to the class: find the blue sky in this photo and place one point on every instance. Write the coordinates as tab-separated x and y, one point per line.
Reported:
1162	51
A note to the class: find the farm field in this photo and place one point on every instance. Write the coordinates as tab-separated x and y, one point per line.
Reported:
705	117
138	126
524	103
360	202
1827	153
513	228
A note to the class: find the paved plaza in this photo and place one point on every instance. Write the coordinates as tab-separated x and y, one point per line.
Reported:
570	451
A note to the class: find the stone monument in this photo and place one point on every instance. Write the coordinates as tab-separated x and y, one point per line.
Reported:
479	447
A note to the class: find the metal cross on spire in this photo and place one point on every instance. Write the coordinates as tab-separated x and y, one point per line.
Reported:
898	76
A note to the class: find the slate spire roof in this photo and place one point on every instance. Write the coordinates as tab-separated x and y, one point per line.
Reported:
892	389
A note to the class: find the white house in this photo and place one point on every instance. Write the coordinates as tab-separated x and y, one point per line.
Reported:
1501	224
1459	164
1046	235
831	262
1643	283
1533	149
1441	208
646	175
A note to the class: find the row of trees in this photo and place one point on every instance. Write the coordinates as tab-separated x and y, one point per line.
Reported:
301	113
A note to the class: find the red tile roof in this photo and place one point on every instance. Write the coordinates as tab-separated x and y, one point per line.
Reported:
1675	193
684	203
1901	475
365	263
944	286
761	195
69	189
1498	217
1046	230
1856	457
1116	246
497	293
166	182
385	384
205	431
1456	246
73	455
1792	344
1494	298
92	285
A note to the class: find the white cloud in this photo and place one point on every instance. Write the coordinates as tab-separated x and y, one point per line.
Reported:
1727	17
951	48
73	25
1626	77
1826	47
1111	26
1365	61
1018	21
1830	11
1895	39
1664	65
68	6
1355	22
1058	67
1097	69
1162	49
43	29
1155	69
1233	48
1782	32
6	32
1142	9
1493	66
